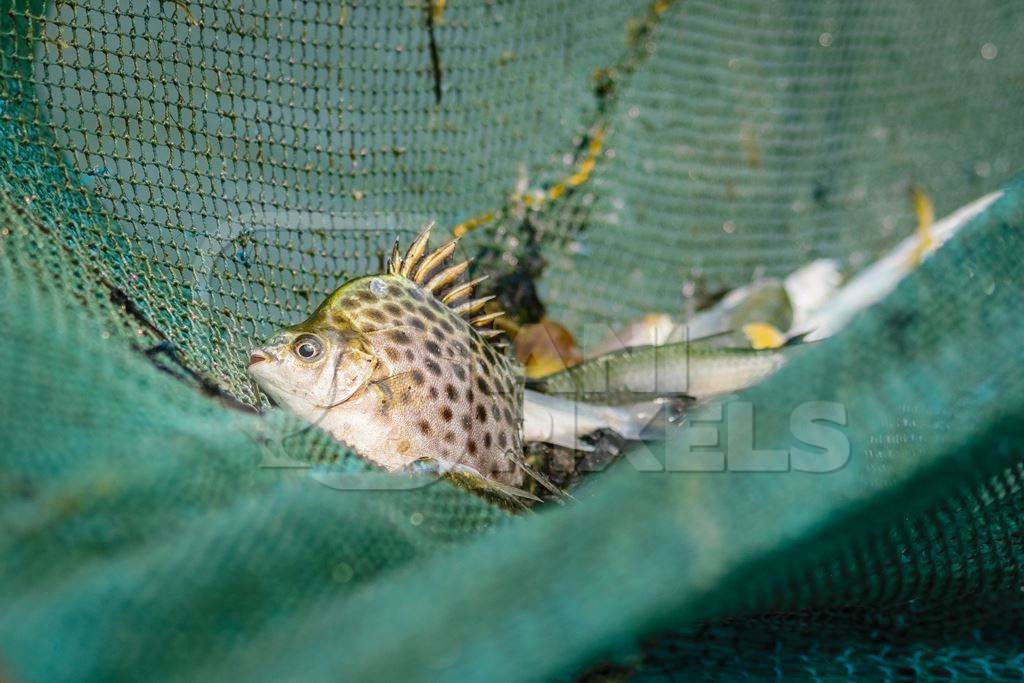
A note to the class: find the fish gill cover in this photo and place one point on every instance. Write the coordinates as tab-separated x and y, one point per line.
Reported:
179	178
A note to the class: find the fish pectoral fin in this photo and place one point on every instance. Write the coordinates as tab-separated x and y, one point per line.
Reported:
471	479
519	461
390	387
477	482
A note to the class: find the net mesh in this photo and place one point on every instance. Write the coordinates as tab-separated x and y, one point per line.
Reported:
177	179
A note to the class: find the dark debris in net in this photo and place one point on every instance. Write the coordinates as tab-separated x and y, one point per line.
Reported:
567	467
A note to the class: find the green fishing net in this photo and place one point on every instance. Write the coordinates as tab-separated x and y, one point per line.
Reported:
178	178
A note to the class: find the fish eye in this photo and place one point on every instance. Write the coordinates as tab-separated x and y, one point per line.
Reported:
308	348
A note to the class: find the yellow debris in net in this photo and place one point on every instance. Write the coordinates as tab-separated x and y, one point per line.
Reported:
925	211
473	223
661	5
189	17
752	151
535	199
437	8
545	348
763	336
589	161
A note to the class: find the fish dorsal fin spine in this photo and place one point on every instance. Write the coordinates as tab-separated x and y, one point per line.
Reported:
448	284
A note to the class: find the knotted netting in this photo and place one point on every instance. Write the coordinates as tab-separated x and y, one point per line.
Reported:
179	178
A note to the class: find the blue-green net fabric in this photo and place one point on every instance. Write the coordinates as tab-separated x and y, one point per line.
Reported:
182	177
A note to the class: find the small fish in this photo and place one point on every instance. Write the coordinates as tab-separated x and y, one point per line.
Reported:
401	367
696	370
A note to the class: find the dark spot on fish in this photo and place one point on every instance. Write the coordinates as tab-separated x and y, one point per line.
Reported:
446	413
415	293
463	349
416	322
450	391
364	295
484	386
409	355
391	352
502	439
460	372
433	392
469	394
481	412
449	437
399	337
448	327
436	331
393	309
471	446
487	440
491	354
429	313
424	426
375	315
417	377
394	290
432	348
466	422
433	367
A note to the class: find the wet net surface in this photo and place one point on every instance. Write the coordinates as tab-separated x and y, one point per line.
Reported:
182	178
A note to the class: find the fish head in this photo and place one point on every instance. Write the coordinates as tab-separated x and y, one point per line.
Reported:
315	366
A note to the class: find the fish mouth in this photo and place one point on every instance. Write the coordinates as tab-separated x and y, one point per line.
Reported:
256	357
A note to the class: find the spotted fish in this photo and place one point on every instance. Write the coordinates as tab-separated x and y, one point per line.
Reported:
403	367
